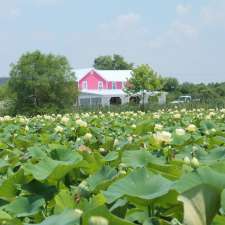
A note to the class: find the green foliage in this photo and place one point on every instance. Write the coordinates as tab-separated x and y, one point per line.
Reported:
129	168
42	82
5	92
170	84
144	78
115	62
205	92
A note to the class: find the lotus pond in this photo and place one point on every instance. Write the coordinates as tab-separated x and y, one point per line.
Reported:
162	168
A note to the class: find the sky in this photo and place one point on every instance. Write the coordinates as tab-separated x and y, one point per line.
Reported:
177	38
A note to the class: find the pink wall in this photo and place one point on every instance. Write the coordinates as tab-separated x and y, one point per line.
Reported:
92	79
118	85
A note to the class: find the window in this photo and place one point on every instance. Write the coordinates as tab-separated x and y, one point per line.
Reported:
84	84
100	84
113	85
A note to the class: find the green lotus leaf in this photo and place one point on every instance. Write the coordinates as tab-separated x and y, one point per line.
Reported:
37	188
92	162
103	212
25	206
219	220
101	178
223	201
63	200
138	158
8	187
5	218
68	217
111	156
203	175
52	170
201	204
37	152
140	184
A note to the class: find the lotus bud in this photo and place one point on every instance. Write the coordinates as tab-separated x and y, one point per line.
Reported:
26	128
98	220
195	162
79	212
130	139
187	161
213	130
122	172
122	166
102	150
88	136
116	142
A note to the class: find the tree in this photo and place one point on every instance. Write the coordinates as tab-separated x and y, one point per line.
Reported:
115	62
170	84
143	79
42	81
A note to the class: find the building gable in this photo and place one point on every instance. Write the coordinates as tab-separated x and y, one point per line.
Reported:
92	81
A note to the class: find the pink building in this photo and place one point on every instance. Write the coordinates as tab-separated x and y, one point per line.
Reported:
92	79
104	87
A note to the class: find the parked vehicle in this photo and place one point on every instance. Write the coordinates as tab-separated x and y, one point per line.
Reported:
185	99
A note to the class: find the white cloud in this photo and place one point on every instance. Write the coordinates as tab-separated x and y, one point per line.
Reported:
178	34
122	23
9	9
46	2
15	12
186	30
183	9
213	14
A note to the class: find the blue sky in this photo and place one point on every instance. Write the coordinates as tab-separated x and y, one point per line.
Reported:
184	39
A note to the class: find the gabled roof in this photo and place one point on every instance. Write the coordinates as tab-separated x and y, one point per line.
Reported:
108	75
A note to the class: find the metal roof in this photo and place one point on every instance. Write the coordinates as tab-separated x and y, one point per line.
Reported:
104	92
108	75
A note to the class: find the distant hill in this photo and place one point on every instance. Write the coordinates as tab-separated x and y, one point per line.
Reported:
3	80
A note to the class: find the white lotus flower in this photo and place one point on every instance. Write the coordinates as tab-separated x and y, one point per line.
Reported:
130	139
102	150
177	116
65	119
163	137
191	128
88	136
98	220
59	129
156	116
81	123
180	131
158	127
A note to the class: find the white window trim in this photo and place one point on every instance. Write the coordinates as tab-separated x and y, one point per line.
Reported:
84	84
113	85
100	82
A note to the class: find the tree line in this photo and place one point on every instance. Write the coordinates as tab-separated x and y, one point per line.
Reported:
45	83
